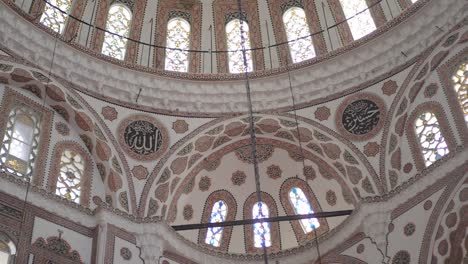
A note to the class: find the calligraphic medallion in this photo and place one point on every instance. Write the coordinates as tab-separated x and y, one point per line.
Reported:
360	117
143	137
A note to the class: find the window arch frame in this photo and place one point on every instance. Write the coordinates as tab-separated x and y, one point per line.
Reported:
127	46
189	42
274	227
9	102
285	188
228	198
314	54
249	52
165	13
344	30
222	9
11	244
87	178
437	109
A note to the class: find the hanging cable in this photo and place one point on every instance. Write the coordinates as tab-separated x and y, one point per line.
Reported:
253	140
302	151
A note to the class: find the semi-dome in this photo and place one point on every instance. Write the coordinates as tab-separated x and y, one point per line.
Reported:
123	121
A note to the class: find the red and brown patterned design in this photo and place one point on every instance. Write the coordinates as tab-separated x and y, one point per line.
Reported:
276	12
223	8
10	100
231	205
112	233
238	178
343	28
102	11
361	116
286	187
404	3
194	11
437	109
62	129
274	171
109	113
143	137
446	72
322	113
140	172
86	180
180	126
136	27
389	87
56	250
371	149
274	226
73	25
176	257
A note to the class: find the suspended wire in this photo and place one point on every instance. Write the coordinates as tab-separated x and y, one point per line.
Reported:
301	149
253	139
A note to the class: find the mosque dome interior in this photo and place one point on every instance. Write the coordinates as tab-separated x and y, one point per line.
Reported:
233	131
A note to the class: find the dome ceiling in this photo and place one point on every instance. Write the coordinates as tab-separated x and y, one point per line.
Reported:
270	86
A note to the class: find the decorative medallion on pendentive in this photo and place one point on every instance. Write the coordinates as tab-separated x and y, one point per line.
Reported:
143	137
361	116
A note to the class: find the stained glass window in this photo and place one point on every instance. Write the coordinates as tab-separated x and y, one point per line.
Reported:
295	25
178	36
414	1
71	173
53	18
302	206
262	236
118	22
218	214
460	80
20	142
430	138
361	24
234	45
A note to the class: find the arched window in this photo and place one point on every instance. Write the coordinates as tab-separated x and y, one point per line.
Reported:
20	143
296	27
234	45
53	18
178	37
72	167
360	24
218	214
460	80
302	206
71	172
262	236
220	206
118	22
431	140
414	1
7	249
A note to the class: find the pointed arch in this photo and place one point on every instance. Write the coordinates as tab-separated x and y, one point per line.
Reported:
297	31
71	173
236	42
249	236
223	235
429	134
178	37
119	23
302	234
24	135
460	87
53	18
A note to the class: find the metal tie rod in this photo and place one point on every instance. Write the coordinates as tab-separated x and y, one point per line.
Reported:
271	219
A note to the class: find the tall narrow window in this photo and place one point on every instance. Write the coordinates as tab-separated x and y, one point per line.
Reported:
431	140
302	206
262	236
178	37
298	33
7	249
234	45
218	214
460	80
20	142
71	172
53	18
414	1
118	22
360	24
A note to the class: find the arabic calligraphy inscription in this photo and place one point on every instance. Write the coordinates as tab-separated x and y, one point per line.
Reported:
360	117
143	137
